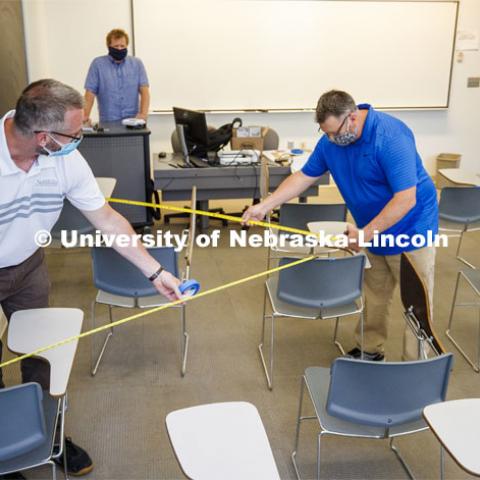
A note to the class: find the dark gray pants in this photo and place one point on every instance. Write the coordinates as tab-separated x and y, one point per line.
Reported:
22	287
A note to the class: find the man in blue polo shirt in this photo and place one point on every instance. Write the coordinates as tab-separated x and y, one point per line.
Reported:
117	80
374	161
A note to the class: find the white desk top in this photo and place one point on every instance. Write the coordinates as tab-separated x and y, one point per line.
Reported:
461	176
222	441
32	329
457	425
106	185
334	228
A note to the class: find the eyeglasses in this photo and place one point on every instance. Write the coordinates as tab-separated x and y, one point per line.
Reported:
73	138
331	135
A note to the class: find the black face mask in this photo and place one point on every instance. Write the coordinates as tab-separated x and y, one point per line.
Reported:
117	54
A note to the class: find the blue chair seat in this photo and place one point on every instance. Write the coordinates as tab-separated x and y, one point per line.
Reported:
286	309
106	298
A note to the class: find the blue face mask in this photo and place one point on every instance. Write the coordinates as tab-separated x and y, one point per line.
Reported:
117	54
64	149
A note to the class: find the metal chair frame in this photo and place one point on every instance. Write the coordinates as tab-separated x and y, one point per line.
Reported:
141	303
462	274
411	427
268	370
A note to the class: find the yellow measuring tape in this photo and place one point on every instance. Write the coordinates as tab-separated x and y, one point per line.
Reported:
183	300
222	216
153	310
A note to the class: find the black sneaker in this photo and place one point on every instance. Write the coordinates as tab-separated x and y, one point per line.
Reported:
78	461
372	357
13	476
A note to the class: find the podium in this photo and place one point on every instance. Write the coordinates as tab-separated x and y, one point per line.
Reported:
114	150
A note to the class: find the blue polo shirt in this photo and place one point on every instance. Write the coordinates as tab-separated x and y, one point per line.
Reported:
116	86
368	172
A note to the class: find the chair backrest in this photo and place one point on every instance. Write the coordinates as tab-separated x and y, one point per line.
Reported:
270	140
297	215
416	303
323	282
461	205
114	274
386	394
22	421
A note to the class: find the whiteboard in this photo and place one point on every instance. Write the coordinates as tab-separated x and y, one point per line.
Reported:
283	54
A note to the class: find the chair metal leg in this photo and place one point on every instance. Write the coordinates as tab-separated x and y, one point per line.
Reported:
401	460
335	341
54	470
319	438
442	462
476	367
300	418
184	341
268	372
65	462
361	336
107	338
457	254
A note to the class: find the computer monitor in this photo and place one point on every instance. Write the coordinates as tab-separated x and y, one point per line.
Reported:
195	129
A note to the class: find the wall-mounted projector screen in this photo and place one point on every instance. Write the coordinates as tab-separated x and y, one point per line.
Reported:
282	54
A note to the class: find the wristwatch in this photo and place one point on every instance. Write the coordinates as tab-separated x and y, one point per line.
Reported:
156	274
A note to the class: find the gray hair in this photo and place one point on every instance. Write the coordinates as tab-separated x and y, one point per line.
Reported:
334	103
43	104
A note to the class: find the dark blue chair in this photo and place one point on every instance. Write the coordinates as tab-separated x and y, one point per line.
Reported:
460	206
320	289
298	215
374	400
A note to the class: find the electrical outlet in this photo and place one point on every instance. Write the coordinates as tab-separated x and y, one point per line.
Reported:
473	82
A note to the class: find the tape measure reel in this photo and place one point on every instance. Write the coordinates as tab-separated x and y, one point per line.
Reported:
189	287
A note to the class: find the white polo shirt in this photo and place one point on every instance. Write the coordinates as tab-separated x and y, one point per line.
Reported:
32	201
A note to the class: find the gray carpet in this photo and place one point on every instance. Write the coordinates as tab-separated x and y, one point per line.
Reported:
119	415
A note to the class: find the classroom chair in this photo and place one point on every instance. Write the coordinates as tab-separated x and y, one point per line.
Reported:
459	206
32	421
298	215
121	284
320	289
374	400
221	440
471	278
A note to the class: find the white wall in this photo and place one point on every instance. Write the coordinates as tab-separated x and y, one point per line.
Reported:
64	35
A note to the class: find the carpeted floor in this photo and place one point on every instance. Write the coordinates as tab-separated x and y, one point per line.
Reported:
119	416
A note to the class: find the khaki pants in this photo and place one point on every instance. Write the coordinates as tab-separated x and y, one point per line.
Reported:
380	282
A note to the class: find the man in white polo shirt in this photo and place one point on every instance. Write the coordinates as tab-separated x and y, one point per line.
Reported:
39	167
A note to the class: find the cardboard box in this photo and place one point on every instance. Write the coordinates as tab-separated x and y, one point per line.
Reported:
246	138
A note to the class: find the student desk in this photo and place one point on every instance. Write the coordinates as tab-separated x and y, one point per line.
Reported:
459	176
455	424
216	182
